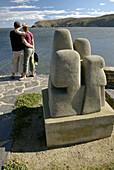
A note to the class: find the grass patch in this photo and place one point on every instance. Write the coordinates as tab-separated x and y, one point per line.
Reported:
24	107
28	100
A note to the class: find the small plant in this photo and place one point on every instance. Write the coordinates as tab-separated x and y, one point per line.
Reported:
28	100
15	165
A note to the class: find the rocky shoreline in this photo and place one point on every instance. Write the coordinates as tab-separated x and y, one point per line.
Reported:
102	21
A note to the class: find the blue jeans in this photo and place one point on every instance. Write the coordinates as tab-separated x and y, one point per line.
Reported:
28	60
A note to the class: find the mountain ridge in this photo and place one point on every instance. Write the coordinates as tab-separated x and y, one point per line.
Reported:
102	21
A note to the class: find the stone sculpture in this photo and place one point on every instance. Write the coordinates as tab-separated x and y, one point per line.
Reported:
70	91
75	89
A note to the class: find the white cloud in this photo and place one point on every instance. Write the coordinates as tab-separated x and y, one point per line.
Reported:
97	12
20	7
90	9
80	9
25	15
53	11
32	13
74	13
23	1
45	7
111	0
20	1
68	16
6	15
102	4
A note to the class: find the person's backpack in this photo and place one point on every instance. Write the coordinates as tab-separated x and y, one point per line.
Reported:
36	59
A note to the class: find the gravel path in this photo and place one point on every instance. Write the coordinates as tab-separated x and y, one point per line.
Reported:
91	154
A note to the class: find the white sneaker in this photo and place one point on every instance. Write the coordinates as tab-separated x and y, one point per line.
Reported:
22	78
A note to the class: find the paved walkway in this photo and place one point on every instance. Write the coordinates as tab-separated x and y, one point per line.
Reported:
9	91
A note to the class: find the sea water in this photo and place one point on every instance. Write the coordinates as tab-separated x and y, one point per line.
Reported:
100	38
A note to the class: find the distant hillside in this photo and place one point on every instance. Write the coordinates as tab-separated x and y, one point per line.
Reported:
103	21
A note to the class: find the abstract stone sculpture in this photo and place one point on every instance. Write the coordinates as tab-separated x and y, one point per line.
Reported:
82	46
66	94
63	86
95	82
75	89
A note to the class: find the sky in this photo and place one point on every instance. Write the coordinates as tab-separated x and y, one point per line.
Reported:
31	11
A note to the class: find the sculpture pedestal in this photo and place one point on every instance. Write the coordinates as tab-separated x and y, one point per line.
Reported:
79	128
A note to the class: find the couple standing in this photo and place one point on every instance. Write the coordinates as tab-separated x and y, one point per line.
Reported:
23	50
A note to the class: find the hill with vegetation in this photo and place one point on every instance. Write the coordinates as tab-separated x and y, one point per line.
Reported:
102	21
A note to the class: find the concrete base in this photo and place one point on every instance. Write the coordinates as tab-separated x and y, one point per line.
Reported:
79	128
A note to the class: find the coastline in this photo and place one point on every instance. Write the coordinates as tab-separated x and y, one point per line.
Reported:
102	21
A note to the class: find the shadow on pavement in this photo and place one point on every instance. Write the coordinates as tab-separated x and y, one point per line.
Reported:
6	122
32	137
8	78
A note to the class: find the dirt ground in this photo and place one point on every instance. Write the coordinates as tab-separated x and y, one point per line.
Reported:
31	148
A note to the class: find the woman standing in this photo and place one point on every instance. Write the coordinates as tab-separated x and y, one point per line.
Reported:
27	37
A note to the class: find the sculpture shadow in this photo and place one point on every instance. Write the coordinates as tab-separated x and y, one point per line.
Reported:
29	130
6	122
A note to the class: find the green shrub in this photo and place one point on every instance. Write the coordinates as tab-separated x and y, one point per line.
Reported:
28	100
15	165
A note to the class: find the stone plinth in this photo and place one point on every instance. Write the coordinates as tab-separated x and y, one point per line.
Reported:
77	129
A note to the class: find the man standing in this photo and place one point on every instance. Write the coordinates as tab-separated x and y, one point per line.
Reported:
18	51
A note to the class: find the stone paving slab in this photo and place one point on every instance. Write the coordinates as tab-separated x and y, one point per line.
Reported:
6	108
10	90
9	99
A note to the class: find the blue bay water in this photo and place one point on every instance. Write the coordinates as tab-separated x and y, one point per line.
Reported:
101	40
